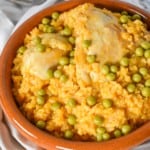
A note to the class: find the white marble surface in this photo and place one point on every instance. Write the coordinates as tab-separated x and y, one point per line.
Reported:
14	13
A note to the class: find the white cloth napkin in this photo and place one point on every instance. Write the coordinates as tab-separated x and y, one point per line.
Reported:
6	27
10	139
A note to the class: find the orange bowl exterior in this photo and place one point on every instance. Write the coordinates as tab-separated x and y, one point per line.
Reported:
27	129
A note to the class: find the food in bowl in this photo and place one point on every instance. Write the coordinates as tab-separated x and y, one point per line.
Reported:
84	74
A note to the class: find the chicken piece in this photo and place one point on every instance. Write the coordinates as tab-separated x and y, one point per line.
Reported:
37	63
56	41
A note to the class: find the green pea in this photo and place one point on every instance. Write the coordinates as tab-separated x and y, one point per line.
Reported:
40	100
55	15
91	100
100	130
124	61
72	61
98	120
146	91
105	69
41	92
71	119
143	71
136	16
131	88
107	103
87	43
113	68
55	106
64	61
117	133
68	134
91	58
145	45
50	29
111	76
40	47
21	50
45	28
72	40
50	73
71	102
129	17
66	31
147	83
106	136
45	21
126	129
71	54
147	53
124	19
99	137
136	77
63	78
139	51
57	73
41	124
37	40
124	13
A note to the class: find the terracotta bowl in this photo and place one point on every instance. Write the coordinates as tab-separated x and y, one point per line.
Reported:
27	129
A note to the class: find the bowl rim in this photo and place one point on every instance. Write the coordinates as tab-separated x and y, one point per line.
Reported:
19	121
